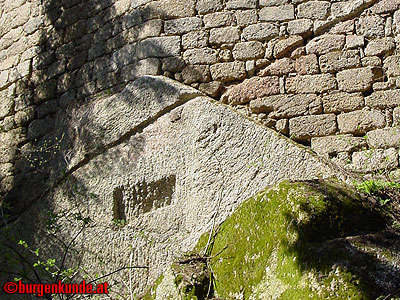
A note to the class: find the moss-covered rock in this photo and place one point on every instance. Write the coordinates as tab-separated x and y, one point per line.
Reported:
303	240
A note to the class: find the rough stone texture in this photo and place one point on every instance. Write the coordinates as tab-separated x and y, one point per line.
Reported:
360	121
279	67
301	27
252	88
219	19
260	32
354	41
246	17
184	25
202	56
171	8
371	26
354	80
316	10
337	143
196	73
305	127
277	13
325	43
337	61
285	46
228	71
225	35
195	39
342	102
383	99
248	50
208	6
391	65
287	106
384	138
240	4
379	47
375	159
310	83
307	65
201	147
159	47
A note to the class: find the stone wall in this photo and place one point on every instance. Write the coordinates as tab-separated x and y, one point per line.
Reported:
325	73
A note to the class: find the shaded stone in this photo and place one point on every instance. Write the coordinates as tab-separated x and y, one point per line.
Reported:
277	13
196	73
310	83
208	6
325	43
195	39
159	47
213	89
260	32
306	127
285	46
228	71
148	66
342	102
287	106
170	9
240	4
173	64
250	89
307	64
337	143
360	121
183	25
337	61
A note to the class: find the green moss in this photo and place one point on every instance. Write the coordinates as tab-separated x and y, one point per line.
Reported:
151	293
286	243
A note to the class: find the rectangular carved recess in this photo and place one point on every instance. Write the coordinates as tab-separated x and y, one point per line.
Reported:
143	197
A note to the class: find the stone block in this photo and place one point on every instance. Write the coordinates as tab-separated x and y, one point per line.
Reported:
241	4
385	6
169	9
246	17
315	10
374	160
196	73
378	47
310	83
384	138
355	80
6	106
360	121
391	65
248	50
173	64
287	106
301	27
342	102
201	56
195	39
285	46
337	143
307	65
148	66
337	61
253	88
371	26
148	29
226	35
211	89
305	127
346	27
159	47
383	99
260	32
182	25
208	6
228	71
325	43
277	13
219	19
279	67
371	61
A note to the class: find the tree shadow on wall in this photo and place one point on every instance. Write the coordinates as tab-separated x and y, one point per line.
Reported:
87	53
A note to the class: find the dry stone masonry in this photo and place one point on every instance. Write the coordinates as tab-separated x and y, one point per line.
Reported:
324	73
